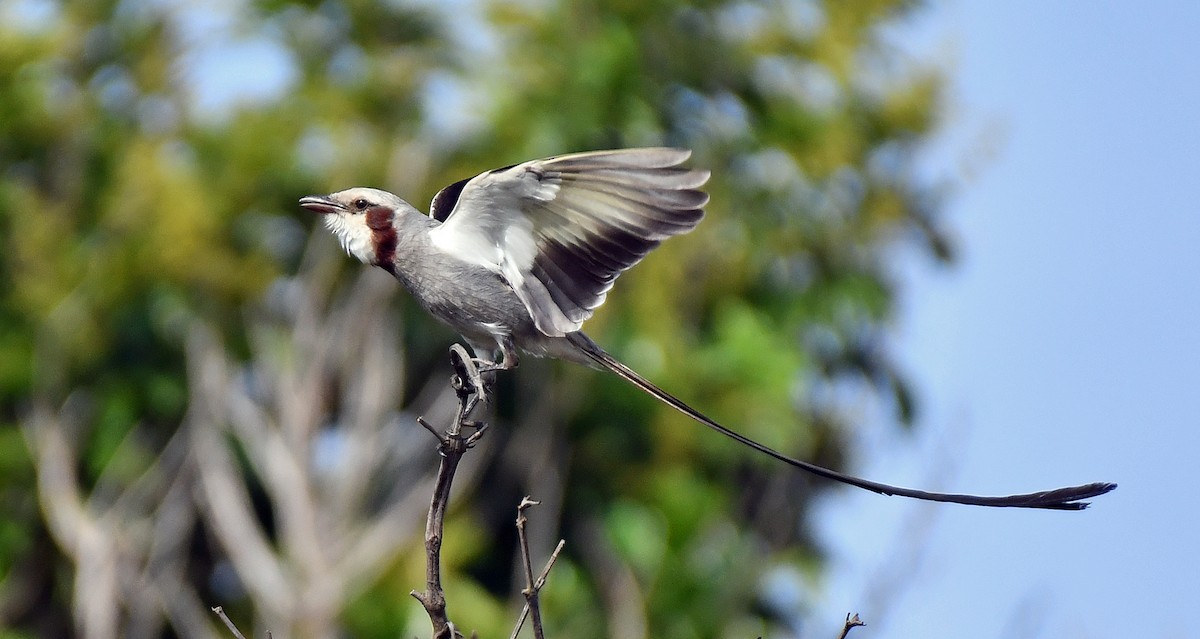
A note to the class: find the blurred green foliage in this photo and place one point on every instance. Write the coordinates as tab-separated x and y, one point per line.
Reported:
127	209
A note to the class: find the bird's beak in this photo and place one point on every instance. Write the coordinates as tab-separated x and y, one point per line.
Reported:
322	204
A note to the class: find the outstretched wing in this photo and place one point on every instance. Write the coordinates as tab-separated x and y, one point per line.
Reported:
560	230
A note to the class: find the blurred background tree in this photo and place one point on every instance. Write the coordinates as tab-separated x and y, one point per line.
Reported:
161	287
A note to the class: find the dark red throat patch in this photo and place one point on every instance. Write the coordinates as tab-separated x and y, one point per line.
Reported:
383	236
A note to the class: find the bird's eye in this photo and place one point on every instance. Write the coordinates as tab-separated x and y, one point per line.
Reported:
361	204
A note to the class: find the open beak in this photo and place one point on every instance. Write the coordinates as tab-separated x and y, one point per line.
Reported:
320	204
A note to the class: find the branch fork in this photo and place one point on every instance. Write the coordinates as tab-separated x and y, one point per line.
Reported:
532	586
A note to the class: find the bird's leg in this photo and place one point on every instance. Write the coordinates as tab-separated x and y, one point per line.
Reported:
468	382
476	374
508	357
487	368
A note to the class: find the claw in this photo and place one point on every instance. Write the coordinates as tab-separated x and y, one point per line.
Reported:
480	429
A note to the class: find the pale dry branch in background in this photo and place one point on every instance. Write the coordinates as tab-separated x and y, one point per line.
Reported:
346	488
128	541
309	421
625	601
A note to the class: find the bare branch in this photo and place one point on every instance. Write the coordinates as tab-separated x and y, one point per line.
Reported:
530	592
536	587
469	387
228	624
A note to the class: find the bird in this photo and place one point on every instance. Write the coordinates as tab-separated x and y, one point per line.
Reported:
516	259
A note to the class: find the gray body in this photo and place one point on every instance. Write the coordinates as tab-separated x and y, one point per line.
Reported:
518	258
477	303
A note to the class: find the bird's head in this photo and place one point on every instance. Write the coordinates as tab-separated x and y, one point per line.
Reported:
362	219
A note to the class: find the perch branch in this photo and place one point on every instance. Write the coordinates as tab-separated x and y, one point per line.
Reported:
452	445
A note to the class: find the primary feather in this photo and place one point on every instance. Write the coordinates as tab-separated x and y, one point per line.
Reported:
561	230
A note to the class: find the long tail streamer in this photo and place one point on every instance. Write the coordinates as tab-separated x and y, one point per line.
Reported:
1058	499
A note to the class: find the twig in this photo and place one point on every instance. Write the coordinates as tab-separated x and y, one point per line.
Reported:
532	587
852	621
531	599
541	580
228	624
469	386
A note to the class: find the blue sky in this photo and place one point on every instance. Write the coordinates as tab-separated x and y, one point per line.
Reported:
1063	348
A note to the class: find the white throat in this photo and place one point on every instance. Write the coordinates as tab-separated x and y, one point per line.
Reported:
353	234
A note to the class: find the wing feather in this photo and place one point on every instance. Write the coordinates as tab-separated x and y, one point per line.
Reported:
561	230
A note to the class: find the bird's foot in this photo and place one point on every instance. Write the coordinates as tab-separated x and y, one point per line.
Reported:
474	377
479	427
485	365
468	380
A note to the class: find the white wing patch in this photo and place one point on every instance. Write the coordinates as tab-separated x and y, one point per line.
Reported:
561	230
